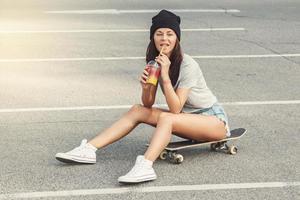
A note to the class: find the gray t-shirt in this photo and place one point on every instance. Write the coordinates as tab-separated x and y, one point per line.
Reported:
190	76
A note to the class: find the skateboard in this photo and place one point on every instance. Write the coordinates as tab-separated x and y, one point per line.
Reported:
170	151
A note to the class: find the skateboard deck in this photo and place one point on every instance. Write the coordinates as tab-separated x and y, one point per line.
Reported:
171	150
234	134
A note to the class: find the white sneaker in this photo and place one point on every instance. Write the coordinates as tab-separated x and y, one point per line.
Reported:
85	153
142	171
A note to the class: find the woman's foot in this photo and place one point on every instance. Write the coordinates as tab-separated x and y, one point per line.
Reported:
85	153
142	171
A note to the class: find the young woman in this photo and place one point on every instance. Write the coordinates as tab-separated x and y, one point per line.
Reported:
194	112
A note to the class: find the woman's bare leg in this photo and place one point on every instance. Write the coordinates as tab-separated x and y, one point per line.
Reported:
192	126
136	115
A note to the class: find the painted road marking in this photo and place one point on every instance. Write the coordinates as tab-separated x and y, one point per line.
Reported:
41	109
115	11
173	188
143	58
116	30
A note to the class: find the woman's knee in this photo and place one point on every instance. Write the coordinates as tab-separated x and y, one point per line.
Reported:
165	117
137	111
147	115
135	108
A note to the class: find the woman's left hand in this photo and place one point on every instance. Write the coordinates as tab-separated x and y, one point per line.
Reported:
165	63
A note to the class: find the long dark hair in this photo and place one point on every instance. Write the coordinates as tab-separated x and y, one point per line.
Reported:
175	58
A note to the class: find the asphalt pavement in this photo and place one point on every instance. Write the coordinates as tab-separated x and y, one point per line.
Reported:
70	69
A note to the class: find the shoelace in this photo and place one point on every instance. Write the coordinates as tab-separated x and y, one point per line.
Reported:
78	149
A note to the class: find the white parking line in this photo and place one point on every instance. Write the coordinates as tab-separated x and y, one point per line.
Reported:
173	188
143	58
41	109
115	11
248	56
116	30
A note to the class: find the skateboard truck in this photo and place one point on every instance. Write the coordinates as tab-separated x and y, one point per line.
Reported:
172	155
224	147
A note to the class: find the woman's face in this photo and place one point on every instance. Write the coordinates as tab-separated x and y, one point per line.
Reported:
165	37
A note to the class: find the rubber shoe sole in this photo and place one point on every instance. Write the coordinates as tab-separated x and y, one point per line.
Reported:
73	159
138	179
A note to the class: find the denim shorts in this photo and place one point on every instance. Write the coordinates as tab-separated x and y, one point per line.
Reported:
218	111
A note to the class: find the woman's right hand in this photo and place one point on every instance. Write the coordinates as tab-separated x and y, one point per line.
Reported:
144	77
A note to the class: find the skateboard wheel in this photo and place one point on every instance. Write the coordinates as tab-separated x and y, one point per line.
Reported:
233	150
213	146
178	159
163	155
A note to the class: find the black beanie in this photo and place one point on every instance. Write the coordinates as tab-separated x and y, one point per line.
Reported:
165	19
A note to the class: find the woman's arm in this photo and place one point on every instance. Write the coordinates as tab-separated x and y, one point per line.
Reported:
175	100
